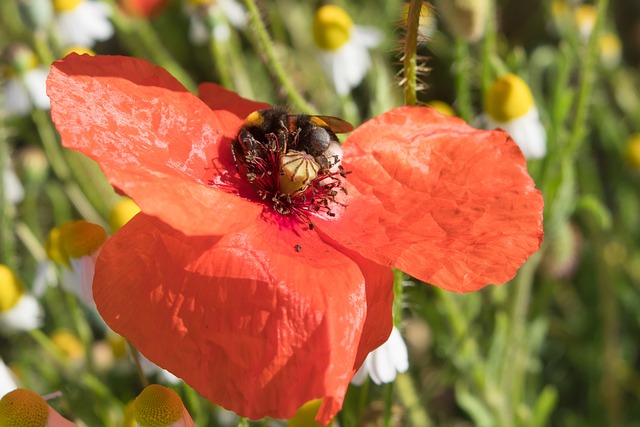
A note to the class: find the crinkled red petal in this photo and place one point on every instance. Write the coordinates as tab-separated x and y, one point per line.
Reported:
143	127
259	321
446	203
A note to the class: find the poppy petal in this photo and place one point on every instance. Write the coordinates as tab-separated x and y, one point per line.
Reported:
153	139
444	202
243	317
228	103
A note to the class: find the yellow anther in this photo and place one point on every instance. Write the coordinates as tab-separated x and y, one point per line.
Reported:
65	5
305	416
442	107
157	406
331	27
297	170
121	213
23	408
508	98
81	238
11	289
80	50
68	344
633	151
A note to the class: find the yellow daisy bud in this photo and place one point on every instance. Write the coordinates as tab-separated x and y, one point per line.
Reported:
80	50
22	407
54	249
610	49
129	419
465	18
306	415
65	5
633	151
121	213
508	98
442	107
81	238
11	289
298	169
331	27
68	344
157	406
585	17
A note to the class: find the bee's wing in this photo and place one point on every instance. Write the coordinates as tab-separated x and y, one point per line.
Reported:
336	124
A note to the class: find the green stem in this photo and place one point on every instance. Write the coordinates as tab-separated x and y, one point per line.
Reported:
587	79
488	49
409	57
136	361
408	395
516	353
265	43
461	77
7	244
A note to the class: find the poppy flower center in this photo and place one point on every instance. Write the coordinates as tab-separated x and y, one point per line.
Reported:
291	161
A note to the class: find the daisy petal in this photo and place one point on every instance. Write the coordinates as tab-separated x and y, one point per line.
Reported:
266	306
451	205
155	141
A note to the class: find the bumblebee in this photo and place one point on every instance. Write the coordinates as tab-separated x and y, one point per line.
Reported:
276	130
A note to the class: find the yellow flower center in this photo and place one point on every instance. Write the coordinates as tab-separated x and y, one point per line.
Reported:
65	5
305	416
331	27
23	408
121	213
157	406
68	344
442	107
81	238
298	169
54	249
11	289
633	151
80	50
508	98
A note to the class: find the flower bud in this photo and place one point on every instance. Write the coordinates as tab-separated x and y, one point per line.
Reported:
331	27
466	19
297	170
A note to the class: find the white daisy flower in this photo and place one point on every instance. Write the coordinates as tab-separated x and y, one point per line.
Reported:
585	16
19	311
343	48
385	362
75	245
610	50
7	380
211	18
509	105
25	86
83	22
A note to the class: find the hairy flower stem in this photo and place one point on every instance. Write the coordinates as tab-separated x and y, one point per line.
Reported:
266	44
587	79
409	57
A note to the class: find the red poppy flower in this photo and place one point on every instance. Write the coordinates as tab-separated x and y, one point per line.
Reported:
249	305
145	8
